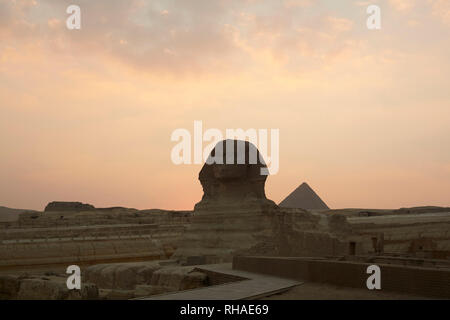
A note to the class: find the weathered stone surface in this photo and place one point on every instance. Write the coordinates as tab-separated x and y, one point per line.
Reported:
121	275
68	206
90	249
9	286
114	294
338	223
150	290
128	280
179	278
46	289
233	174
99	216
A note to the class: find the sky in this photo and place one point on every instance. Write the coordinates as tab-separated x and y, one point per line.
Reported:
87	115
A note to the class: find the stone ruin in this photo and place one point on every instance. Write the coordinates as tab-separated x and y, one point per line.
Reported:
235	217
62	206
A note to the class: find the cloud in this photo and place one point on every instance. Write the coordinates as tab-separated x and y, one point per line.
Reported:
298	3
179	36
89	105
363	3
402	5
14	20
339	25
196	37
441	9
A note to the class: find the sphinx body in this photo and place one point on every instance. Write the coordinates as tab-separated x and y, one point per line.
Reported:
235	217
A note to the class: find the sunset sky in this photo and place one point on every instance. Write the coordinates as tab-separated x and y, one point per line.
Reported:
87	115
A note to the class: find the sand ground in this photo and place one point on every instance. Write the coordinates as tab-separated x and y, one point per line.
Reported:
318	291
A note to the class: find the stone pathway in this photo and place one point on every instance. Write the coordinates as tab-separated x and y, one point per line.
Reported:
256	286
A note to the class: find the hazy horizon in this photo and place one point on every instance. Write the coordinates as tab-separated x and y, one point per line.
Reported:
86	115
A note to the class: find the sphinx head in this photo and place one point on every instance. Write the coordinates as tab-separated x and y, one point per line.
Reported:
232	173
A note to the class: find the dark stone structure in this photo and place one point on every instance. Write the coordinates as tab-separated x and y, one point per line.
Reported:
235	217
398	274
304	198
68	206
233	174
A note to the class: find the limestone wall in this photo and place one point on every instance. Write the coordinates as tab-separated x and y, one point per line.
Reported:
19	247
83	251
100	217
115	234
13	287
424	237
431	282
88	232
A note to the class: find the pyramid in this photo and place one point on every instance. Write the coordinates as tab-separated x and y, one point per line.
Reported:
304	198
